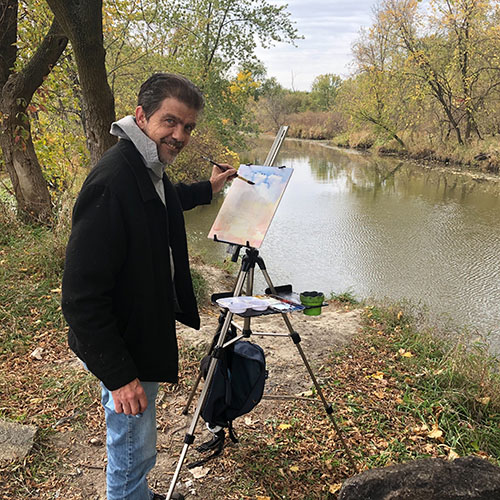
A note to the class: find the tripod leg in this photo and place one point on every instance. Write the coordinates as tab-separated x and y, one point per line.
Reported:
192	394
185	411
296	340
236	291
189	437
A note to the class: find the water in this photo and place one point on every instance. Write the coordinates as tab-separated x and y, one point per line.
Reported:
379	227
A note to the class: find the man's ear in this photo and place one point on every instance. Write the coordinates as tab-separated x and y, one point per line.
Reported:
140	117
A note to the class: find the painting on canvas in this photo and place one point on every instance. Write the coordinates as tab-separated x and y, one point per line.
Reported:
247	211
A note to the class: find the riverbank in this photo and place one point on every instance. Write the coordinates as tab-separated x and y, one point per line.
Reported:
478	156
475	170
399	392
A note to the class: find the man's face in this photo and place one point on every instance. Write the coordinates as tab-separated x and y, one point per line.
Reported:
170	127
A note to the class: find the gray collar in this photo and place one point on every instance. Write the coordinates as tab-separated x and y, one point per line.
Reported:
127	128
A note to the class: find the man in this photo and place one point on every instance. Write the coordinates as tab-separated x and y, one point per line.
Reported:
126	277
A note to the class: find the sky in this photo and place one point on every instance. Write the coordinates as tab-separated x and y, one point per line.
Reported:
329	28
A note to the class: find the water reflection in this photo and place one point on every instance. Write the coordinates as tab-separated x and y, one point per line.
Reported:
379	227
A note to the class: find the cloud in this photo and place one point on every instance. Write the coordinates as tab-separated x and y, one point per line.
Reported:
329	28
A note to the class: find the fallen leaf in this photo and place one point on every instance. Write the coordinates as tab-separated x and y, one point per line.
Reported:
37	353
262	498
407	354
334	488
294	468
199	472
453	455
436	433
379	394
284	426
483	401
305	394
56	290
400	314
429	448
377	376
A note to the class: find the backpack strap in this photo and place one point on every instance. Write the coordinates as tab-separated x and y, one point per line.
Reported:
217	443
232	435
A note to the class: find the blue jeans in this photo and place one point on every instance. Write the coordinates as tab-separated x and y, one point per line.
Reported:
131	447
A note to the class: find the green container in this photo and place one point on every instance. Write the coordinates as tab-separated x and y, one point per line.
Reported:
311	299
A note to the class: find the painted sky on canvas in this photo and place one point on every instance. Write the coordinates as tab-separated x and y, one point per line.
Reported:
247	211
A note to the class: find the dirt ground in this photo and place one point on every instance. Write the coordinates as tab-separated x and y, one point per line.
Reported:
288	378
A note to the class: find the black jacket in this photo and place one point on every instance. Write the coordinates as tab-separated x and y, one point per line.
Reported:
117	293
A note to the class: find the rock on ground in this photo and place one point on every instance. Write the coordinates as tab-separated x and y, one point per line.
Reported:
16	440
469	478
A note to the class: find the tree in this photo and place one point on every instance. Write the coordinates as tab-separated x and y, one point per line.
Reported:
452	54
324	90
224	33
208	39
272	100
17	89
82	23
376	95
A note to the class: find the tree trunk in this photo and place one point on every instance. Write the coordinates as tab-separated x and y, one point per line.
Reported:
82	23
21	162
30	187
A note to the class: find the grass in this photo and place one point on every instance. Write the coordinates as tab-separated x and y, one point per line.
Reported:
401	391
476	156
346	298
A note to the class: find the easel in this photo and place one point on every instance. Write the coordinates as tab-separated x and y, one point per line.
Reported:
246	275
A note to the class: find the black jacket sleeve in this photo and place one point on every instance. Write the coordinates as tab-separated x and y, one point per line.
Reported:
95	253
192	195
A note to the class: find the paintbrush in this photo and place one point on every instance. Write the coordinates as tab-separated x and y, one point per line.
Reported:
226	168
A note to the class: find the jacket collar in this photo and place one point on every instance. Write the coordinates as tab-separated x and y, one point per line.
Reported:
136	163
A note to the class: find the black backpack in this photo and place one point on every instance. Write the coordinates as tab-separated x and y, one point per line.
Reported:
237	386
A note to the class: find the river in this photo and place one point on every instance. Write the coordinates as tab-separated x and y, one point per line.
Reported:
379	227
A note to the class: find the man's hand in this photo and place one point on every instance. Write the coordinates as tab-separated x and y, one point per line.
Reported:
219	176
130	399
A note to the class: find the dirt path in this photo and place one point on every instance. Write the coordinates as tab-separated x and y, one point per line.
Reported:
85	454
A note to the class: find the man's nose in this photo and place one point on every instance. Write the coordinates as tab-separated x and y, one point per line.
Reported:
179	133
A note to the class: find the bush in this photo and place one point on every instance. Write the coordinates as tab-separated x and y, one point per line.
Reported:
190	167
315	124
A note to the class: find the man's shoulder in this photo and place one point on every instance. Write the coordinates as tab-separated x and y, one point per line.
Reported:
115	165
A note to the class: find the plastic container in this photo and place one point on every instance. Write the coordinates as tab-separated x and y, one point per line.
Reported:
311	299
238	305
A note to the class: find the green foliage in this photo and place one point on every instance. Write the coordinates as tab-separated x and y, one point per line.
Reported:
345	298
199	286
203	39
189	165
324	91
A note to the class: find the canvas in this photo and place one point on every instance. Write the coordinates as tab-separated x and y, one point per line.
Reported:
247	211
